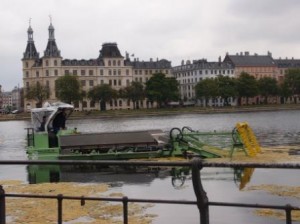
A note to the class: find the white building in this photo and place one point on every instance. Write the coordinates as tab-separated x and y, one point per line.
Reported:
189	74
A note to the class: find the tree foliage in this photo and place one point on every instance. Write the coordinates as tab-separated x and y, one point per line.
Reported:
162	89
39	93
268	87
227	88
68	89
102	93
247	86
135	92
292	81
207	88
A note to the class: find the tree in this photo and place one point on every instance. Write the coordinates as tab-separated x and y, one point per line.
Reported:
207	88
102	93
267	87
227	88
247	86
292	81
162	89
68	89
39	93
135	92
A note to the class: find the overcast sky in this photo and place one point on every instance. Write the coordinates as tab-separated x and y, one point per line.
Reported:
170	29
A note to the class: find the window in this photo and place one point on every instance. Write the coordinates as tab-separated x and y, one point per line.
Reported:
141	79
116	103
115	82
140	72
150	71
84	104
109	72
119	63
66	72
26	65
74	72
82	82
109	63
47	73
101	71
47	63
120	103
135	72
55	72
119	82
127	82
47	84
119	72
82	72
27	85
27	74
127	71
92	103
102	82
91	82
146	72
110	82
91	72
115	72
55	63
37	74
114	63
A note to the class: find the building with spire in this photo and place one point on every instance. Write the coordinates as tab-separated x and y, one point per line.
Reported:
110	67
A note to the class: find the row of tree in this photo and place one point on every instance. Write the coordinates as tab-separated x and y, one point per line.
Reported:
247	86
158	88
162	89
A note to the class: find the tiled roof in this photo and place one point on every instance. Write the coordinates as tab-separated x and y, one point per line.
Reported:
161	64
52	49
288	63
250	60
203	64
30	52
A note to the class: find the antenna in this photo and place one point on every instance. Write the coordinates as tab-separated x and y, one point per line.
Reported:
29	21
50	17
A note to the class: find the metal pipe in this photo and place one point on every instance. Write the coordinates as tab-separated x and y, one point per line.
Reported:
2	205
202	199
59	208
125	210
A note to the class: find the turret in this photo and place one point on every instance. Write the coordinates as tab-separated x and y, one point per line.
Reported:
51	49
30	51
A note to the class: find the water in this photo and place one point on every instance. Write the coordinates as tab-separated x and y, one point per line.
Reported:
271	128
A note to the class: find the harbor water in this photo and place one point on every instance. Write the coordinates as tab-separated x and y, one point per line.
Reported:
280	128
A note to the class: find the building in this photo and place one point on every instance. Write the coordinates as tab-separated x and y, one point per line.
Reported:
110	67
286	64
1	101
256	65
189	74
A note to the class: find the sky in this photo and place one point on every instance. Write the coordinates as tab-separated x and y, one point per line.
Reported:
175	30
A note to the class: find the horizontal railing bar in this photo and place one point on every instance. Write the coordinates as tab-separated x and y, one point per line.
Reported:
151	163
158	201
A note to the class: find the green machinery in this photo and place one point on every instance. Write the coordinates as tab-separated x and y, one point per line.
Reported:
70	144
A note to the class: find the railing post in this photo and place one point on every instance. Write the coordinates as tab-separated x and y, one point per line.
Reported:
2	205
288	213
59	208
125	210
202	200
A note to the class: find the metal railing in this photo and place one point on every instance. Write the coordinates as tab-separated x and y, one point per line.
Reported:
196	165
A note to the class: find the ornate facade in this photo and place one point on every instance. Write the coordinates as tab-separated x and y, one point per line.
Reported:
109	68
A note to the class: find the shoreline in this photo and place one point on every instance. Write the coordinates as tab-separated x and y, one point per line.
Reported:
161	112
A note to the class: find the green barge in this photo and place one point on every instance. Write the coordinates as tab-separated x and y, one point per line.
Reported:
71	144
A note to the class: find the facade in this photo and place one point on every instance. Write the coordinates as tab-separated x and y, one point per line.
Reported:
189	74
1	101
109	68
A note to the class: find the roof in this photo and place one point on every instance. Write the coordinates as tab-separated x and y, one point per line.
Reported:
203	64
250	60
110	50
161	64
30	51
52	49
288	63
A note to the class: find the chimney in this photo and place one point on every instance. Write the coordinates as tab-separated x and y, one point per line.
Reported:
269	54
246	53
241	53
219	59
182	62
150	59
